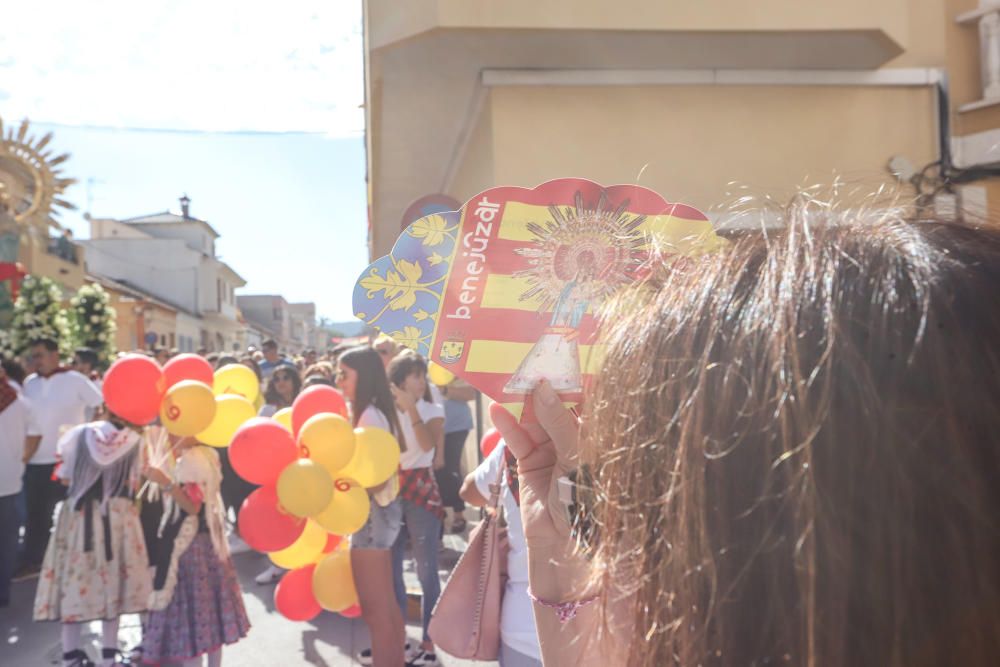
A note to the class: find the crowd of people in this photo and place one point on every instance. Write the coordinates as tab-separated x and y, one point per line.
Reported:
165	529
789	457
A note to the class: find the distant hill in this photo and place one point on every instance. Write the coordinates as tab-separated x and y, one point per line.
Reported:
348	329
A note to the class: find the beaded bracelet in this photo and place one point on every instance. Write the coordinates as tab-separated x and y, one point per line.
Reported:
566	611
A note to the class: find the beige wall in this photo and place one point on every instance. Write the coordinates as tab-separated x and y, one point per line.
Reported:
963	72
39	262
690	142
476	171
392	20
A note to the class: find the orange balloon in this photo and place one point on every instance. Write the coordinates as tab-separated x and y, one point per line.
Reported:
348	508
304	488
303	551
333	582
376	457
188	408
328	439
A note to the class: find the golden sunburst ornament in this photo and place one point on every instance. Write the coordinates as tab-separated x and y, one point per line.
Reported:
30	177
596	247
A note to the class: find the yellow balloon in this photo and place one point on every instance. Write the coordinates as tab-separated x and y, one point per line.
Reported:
303	551
188	408
284	417
333	582
347	511
230	413
438	375
237	379
328	440
305	488
376	457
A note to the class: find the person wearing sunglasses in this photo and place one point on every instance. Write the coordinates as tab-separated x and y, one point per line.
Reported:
792	455
280	393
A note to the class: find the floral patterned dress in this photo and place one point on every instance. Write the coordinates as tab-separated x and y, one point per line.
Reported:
197	603
96	565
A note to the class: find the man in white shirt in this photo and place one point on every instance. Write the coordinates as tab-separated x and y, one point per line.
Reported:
60	399
18	432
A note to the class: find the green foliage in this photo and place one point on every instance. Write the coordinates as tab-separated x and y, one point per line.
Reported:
38	313
92	322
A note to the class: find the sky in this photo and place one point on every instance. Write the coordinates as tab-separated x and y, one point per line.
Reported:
251	109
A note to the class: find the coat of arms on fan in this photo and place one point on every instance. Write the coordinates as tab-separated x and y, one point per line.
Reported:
506	290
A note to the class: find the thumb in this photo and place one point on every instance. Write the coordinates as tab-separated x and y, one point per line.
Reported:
560	424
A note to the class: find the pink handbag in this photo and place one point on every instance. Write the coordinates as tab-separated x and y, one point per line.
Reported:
465	622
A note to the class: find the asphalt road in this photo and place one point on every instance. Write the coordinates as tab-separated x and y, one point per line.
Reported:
330	640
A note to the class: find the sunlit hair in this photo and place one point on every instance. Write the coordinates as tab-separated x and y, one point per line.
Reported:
271	394
372	388
407	363
796	448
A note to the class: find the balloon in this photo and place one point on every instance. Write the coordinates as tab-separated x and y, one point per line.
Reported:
314	400
263	525
333	582
304	488
188	367
260	450
354	611
438	375
231	412
284	417
303	551
376	457
332	542
348	509
293	596
237	379
188	408
490	441
133	388
328	439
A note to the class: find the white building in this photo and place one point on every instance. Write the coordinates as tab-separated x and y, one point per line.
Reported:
303	325
269	313
172	256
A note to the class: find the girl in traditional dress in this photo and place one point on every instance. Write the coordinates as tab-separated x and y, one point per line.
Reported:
196	605
95	566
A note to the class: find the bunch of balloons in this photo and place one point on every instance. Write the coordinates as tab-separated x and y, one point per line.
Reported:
189	398
313	468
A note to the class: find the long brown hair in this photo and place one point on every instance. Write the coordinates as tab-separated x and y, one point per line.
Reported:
796	451
372	388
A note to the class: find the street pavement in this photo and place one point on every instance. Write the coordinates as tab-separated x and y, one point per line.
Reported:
329	640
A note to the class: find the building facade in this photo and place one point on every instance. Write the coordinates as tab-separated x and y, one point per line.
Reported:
701	101
172	258
270	317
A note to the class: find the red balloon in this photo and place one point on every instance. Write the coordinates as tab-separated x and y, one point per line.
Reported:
351	612
261	449
188	367
331	542
293	596
314	400
264	525
490	441
133	388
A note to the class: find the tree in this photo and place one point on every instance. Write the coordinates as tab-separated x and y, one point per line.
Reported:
38	313
92	322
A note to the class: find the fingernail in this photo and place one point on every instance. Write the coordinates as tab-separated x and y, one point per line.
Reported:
546	394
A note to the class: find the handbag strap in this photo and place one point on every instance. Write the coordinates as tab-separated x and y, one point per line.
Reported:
494	502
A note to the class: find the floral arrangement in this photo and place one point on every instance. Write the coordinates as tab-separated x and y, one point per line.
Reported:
92	322
38	313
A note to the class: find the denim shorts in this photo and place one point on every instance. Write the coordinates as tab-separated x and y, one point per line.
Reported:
382	527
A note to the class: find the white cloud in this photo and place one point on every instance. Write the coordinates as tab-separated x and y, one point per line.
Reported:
216	65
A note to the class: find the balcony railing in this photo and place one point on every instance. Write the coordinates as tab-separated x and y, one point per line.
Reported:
63	248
